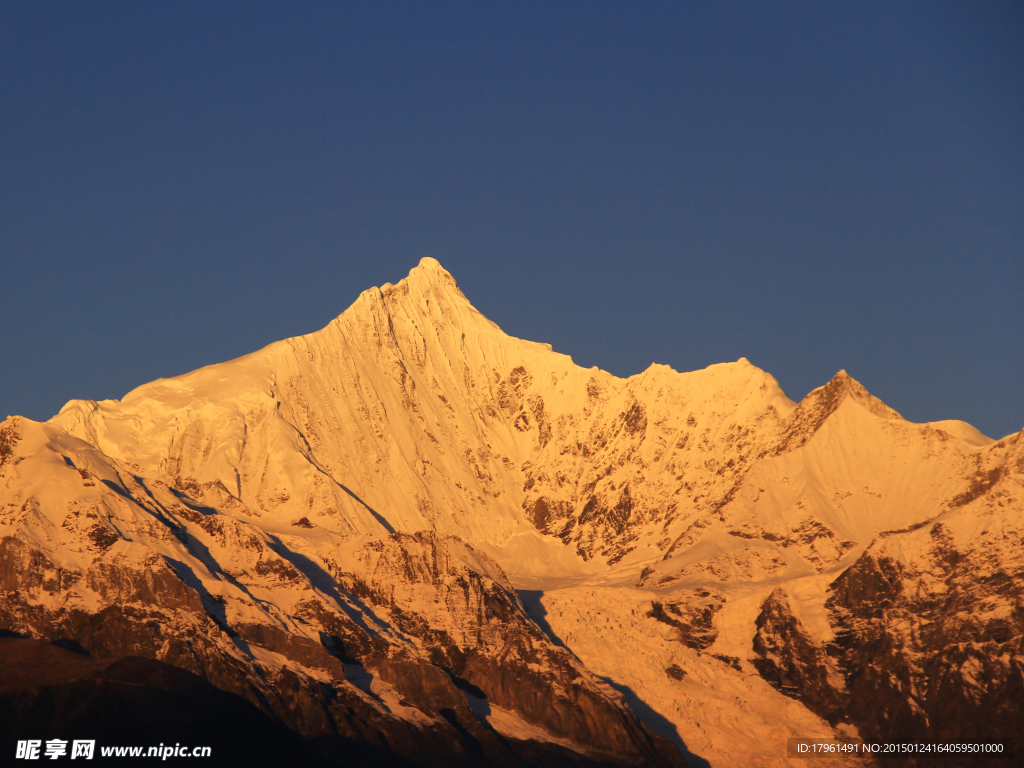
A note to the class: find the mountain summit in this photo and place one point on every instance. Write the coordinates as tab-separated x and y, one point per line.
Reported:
411	411
356	508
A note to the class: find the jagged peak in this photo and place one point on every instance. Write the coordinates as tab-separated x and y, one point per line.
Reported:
843	384
427	279
426	276
821	403
430	264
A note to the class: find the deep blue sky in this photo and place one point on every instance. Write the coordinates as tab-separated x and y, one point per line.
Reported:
814	186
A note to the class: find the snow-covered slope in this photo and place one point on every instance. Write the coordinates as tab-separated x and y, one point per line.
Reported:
412	411
360	493
416	642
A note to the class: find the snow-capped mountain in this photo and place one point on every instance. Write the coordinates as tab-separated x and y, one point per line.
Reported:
336	527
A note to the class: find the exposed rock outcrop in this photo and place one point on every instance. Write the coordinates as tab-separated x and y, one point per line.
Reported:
793	663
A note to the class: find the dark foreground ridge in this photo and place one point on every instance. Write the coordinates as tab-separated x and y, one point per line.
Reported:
48	692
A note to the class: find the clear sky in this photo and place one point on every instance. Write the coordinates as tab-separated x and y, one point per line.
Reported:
811	185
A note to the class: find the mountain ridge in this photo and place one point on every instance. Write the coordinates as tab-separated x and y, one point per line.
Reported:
357	507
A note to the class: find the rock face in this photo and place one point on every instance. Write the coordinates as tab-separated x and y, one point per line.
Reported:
334	528
792	662
929	624
930	621
692	615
